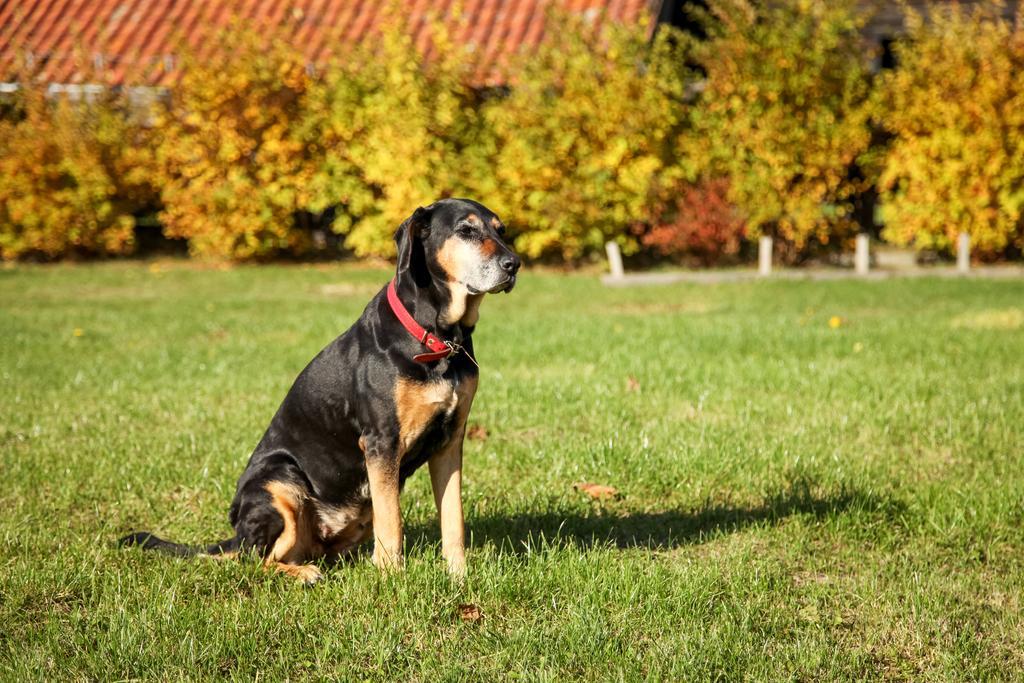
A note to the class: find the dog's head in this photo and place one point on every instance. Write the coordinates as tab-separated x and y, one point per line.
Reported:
457	243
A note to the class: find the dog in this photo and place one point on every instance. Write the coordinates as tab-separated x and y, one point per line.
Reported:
377	403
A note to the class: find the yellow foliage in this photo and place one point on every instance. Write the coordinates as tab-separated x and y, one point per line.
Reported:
594	138
389	129
582	140
234	167
71	176
785	113
955	106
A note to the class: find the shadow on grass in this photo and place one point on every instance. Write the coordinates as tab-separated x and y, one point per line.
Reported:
615	525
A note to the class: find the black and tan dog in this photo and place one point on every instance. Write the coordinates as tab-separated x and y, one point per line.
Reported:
373	406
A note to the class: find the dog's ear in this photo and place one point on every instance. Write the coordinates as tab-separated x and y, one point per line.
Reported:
408	238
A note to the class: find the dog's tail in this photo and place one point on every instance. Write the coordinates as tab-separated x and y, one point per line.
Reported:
148	541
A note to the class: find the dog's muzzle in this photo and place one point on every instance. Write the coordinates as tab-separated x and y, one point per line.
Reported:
508	287
503	286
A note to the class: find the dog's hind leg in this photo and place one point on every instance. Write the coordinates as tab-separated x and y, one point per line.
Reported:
276	517
296	543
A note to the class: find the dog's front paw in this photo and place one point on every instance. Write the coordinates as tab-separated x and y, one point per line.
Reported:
307	574
457	568
388	562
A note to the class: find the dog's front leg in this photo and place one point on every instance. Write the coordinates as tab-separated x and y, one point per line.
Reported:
382	472
446	480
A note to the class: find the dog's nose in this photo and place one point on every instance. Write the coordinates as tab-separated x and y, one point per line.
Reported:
510	263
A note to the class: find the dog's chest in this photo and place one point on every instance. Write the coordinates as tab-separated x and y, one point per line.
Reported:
430	409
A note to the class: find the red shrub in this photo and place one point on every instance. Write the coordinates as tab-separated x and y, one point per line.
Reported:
697	222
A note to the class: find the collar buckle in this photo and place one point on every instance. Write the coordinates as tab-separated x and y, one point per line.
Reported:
453	348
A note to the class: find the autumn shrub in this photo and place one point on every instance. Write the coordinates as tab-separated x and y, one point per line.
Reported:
784	115
391	130
583	137
72	176
235	169
954	106
695	222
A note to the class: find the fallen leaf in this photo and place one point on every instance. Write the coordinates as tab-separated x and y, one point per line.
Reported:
597	491
477	432
470	612
632	384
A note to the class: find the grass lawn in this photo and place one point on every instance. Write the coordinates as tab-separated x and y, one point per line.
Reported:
796	499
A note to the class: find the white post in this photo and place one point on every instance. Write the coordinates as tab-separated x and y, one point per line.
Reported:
963	253
764	255
862	257
614	259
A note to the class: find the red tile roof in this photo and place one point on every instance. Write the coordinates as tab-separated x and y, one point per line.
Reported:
135	41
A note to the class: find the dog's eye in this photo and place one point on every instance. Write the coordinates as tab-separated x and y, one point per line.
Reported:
465	229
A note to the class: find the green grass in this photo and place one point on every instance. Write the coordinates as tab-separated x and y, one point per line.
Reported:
797	501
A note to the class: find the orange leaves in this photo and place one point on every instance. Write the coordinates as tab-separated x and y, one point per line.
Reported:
696	220
233	166
596	491
69	180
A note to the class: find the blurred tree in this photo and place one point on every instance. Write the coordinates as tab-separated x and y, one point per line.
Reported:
955	107
583	139
234	169
784	115
391	130
72	175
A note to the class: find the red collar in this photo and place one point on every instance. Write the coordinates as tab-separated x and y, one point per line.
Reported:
439	347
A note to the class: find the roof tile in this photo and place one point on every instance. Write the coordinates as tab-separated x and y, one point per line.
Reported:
137	41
